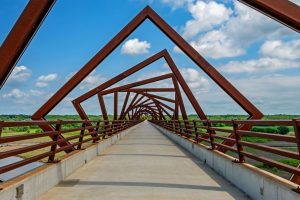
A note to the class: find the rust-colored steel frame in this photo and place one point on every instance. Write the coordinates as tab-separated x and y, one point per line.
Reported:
283	11
148	13
127	88
21	34
158	104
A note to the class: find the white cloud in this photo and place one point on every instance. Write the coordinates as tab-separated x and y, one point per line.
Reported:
46	78
215	44
41	84
272	94
20	74
280	49
258	65
275	55
206	15
174	4
135	47
234	33
195	80
91	81
43	80
35	92
15	94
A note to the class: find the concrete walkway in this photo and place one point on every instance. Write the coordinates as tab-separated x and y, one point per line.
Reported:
144	165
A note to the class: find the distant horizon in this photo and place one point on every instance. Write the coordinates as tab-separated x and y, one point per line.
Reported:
179	114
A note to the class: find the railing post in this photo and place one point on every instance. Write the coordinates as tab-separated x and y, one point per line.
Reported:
81	134
96	132
174	127
55	140
180	128
1	127
239	147
111	128
104	130
210	132
196	131
187	129
297	133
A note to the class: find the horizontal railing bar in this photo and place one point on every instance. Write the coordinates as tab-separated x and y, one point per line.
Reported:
273	163
15	138
270	136
220	129
274	150
226	147
21	150
266	122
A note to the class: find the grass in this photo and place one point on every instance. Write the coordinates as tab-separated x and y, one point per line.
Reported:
275	170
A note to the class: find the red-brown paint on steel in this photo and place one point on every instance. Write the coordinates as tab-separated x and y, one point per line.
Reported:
21	34
283	11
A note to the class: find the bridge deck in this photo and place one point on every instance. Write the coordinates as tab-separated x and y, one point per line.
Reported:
144	165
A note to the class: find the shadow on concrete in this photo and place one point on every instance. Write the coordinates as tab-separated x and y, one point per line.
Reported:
73	182
140	143
143	155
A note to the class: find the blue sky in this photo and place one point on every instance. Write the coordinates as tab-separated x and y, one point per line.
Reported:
258	55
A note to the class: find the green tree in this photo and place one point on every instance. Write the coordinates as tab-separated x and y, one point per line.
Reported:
283	130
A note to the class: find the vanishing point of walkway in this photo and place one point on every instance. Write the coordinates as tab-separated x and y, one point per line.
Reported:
144	165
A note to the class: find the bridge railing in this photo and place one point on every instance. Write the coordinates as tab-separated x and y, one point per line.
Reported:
254	144
41	145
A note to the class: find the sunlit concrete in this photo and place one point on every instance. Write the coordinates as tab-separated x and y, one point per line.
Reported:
144	165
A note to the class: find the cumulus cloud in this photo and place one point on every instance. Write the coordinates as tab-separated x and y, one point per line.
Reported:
46	78
43	81
206	15
272	94
275	55
91	81
135	47
41	84
20	74
195	80
215	44
281	49
232	32
174	4
258	65
15	94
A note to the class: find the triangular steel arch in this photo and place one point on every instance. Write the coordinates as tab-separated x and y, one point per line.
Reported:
148	13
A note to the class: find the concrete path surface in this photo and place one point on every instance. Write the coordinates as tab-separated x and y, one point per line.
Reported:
144	165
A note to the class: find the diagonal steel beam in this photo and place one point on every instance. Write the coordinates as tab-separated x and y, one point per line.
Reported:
21	34
283	11
124	105
157	97
149	90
